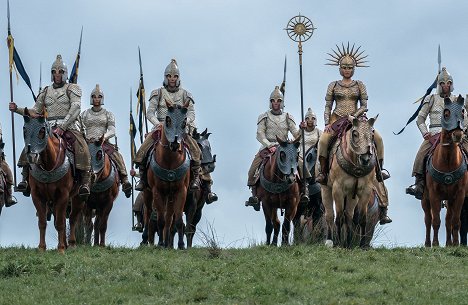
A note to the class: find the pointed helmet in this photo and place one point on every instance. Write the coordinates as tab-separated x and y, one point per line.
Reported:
276	94
444	77
59	65
97	92
310	114
172	69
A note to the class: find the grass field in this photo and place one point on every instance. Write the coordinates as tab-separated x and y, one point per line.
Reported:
257	275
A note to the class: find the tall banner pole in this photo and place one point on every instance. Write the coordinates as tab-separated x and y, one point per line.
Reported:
300	29
11	50
132	143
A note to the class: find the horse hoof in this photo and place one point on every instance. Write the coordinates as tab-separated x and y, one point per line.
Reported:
61	251
181	246
329	243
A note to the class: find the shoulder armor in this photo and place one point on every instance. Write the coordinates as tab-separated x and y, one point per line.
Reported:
262	117
290	117
110	115
189	96
43	93
429	100
155	93
75	89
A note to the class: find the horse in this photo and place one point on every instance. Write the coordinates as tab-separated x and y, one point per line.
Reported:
104	191
279	189
446	176
307	222
168	177
51	178
350	180
196	200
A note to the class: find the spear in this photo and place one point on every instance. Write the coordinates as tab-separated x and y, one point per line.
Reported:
74	72
11	50
132	150
40	78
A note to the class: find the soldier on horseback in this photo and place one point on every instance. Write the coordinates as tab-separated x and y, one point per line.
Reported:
61	104
97	122
271	124
6	171
170	92
312	134
346	93
433	106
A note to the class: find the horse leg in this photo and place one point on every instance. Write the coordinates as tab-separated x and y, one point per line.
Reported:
276	226
41	210
88	219
268	223
362	210
339	199
449	223
456	219
327	199
103	224
179	203
426	205
76	208
464	223
191	207
298	229
435	211
60	223
288	215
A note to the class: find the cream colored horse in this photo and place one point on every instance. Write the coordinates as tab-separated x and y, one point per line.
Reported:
350	182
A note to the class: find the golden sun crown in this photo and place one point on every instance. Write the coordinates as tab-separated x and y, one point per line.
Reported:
345	55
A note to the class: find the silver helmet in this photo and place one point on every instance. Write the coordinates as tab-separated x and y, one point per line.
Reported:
276	94
96	92
172	69
59	65
444	77
310	114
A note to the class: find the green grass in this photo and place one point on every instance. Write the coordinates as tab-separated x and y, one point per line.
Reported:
258	275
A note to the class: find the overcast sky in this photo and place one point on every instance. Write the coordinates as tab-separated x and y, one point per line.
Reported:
230	55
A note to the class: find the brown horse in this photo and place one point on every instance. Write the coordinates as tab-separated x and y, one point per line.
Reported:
104	191
350	181
168	178
279	189
51	179
446	177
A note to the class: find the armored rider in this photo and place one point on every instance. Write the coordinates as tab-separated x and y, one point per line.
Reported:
271	124
60	103
433	106
347	93
9	200
312	134
172	92
97	122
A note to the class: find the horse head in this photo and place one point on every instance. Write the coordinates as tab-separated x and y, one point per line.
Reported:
453	117
208	160
361	139
97	155
311	160
175	124
36	132
287	157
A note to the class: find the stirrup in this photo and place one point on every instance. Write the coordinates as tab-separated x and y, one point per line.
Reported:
10	201
140	186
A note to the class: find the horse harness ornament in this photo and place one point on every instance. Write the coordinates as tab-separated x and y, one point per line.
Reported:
105	184
447	178
53	175
349	167
273	187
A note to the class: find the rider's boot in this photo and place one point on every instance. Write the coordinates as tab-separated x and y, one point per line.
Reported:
383	217
195	179
23	186
210	197
141	185
418	189
126	186
253	200
9	196
139	225
322	176
85	182
381	173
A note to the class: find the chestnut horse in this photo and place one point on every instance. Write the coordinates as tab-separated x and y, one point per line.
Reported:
349	185
168	178
104	191
446	177
196	200
279	189
51	178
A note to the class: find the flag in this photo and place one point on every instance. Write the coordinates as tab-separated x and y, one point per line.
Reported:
15	63
73	79
415	114
132	138
141	107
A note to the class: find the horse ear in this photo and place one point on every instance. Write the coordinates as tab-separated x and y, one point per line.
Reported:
195	134
214	158
208	134
372	120
460	100
169	105
204	132
281	142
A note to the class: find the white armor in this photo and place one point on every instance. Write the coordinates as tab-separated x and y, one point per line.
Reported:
98	123
62	105
311	138
433	107
270	125
157	108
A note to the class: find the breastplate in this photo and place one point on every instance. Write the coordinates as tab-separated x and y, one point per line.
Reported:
95	123
57	103
346	98
276	125
176	98
311	138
